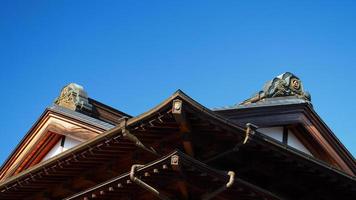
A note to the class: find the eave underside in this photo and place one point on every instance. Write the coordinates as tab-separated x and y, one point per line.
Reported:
169	178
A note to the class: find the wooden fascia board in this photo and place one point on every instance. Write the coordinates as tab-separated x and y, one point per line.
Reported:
310	127
16	152
339	150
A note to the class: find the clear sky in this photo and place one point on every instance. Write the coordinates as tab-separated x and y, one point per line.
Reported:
133	54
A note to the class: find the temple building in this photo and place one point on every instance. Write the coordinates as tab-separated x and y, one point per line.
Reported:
272	146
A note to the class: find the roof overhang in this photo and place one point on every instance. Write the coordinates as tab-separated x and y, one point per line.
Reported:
155	132
166	174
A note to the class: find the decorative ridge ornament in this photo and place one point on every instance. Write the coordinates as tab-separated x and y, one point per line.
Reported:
74	97
286	84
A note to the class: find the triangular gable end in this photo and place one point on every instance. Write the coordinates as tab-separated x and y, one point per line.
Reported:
283	110
296	125
52	134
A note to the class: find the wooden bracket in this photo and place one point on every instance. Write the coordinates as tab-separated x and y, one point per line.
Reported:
250	130
131	137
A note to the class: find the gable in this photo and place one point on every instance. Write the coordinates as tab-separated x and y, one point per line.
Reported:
309	133
40	143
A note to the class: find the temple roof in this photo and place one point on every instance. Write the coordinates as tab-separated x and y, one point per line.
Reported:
212	137
158	131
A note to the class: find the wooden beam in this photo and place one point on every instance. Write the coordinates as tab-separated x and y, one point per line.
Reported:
184	125
180	116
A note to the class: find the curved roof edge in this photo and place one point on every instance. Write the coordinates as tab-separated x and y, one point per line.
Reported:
164	105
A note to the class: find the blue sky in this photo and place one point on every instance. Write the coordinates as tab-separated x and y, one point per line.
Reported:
133	54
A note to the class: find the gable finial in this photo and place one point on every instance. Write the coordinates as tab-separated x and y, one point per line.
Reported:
286	84
74	97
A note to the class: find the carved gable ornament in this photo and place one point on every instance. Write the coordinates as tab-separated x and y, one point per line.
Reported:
74	97
286	84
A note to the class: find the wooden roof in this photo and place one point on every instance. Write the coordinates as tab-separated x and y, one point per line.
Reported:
210	139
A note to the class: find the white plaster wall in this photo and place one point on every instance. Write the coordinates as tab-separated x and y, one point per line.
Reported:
57	149
69	143
294	142
273	132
